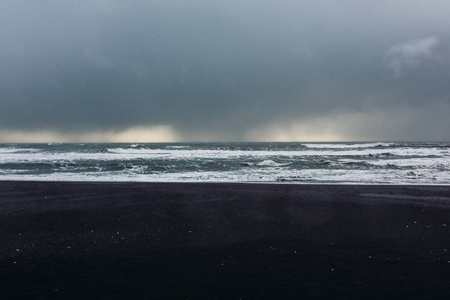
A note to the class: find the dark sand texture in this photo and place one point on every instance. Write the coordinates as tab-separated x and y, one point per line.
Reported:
223	241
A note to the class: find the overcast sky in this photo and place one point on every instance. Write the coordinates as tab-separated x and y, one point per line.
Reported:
205	70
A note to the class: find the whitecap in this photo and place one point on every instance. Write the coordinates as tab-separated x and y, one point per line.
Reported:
346	146
178	147
270	163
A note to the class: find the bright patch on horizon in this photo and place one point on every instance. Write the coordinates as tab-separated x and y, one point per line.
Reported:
350	126
139	134
322	129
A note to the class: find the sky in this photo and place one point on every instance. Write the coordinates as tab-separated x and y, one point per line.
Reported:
216	70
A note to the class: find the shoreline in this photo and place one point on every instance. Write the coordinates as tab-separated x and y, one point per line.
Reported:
281	182
223	240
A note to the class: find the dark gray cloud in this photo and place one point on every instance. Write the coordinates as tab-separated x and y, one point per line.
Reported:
223	69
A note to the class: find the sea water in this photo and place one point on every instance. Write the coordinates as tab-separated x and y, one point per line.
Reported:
360	163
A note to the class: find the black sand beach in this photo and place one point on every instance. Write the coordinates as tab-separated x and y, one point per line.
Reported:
223	241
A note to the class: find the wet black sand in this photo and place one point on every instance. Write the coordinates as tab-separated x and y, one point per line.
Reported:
223	241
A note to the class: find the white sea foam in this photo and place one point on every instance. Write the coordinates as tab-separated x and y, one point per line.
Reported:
178	147
346	146
228	154
414	156
345	163
403	157
270	163
304	176
7	150
413	162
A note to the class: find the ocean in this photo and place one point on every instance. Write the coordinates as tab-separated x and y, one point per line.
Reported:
342	163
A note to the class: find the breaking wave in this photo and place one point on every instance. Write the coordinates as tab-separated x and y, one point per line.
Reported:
368	163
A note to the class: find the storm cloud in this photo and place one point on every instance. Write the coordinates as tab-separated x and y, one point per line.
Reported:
225	70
